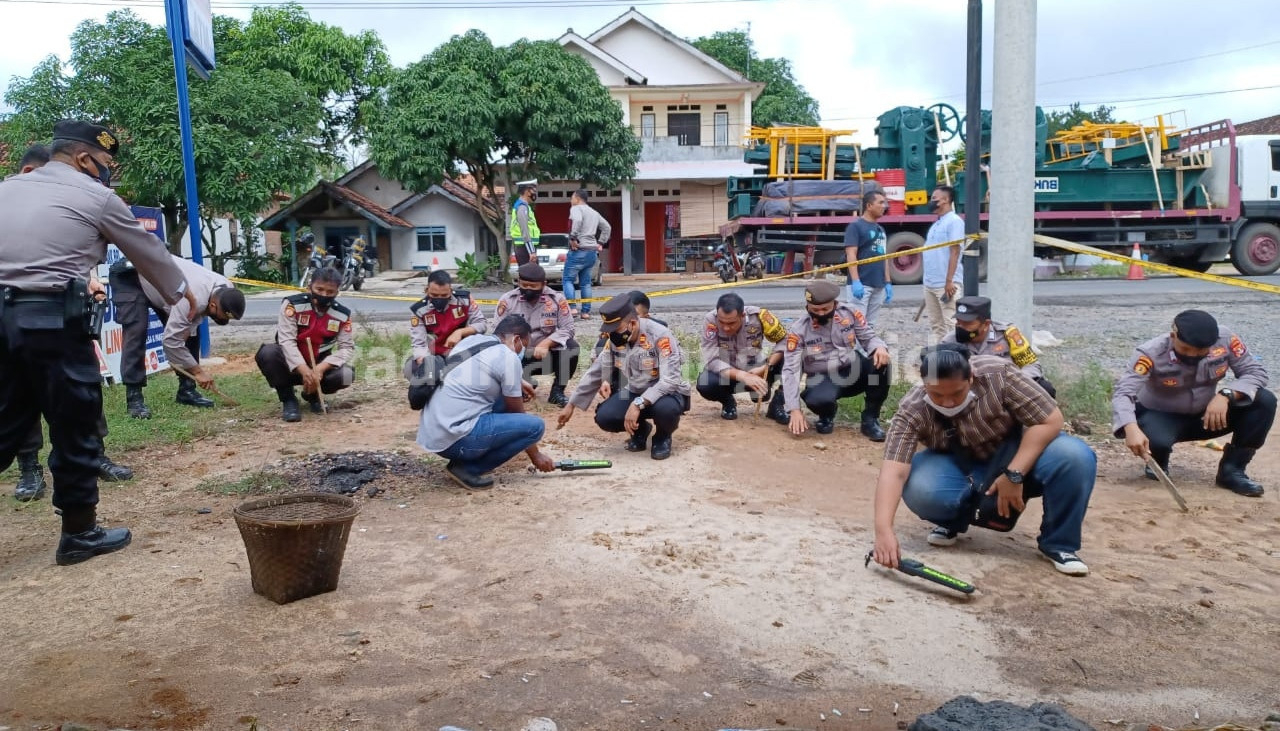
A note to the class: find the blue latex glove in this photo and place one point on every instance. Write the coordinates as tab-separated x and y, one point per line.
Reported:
888	293
857	289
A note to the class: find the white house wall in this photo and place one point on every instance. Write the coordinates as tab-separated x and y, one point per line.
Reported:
386	193
461	227
661	61
221	241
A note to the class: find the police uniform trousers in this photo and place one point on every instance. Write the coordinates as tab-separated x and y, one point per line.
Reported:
712	387
270	358
520	251
611	414
821	391
561	362
35	435
49	369
1248	424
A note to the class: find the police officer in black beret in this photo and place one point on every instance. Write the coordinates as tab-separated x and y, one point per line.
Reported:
54	226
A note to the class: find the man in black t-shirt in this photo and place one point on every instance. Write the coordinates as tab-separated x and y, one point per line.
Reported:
869	285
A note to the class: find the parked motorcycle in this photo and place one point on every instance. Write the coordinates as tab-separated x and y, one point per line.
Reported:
724	265
355	263
752	264
319	258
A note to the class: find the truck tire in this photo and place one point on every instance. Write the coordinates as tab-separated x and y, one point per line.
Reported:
905	269
1256	251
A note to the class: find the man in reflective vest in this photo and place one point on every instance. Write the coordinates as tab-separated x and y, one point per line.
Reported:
523	232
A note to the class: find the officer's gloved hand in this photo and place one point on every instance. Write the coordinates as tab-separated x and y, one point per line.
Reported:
857	289
888	293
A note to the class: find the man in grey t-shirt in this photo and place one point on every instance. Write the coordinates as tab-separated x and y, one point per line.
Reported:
476	418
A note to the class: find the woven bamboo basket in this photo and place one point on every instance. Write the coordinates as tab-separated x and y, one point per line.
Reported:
295	542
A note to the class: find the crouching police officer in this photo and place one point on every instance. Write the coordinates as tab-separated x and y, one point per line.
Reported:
982	336
313	344
553	348
1171	394
732	339
653	385
442	318
56	222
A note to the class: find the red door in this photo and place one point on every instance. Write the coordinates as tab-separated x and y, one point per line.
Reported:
612	213
553	218
661	222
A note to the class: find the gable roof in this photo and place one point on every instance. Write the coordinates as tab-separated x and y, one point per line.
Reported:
1265	126
360	204
629	74
635	16
454	190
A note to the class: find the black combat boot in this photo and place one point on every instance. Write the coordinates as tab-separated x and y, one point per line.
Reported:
640	439
1231	472
313	401
777	409
134	402
109	471
188	395
1162	459
661	446
557	397
825	425
289	410
83	538
31	480
729	409
871	428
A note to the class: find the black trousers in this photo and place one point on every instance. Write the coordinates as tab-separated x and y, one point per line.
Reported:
35	436
132	312
270	358
520	251
561	363
712	387
664	413
53	373
1248	425
822	392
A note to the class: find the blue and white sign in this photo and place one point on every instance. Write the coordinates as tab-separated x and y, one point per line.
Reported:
197	35
1046	185
111	339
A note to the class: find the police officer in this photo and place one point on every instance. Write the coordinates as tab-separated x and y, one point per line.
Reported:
982	336
314	343
822	345
651	363
54	226
733	335
553	348
523	231
1171	393
444	317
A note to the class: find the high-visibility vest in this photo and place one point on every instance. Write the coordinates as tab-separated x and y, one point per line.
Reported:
514	231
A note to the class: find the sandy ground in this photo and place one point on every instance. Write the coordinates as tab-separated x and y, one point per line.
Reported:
722	588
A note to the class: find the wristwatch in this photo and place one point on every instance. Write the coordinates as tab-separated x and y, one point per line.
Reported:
1014	476
639	402
1228	393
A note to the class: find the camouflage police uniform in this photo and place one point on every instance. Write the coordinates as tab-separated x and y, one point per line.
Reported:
744	350
1003	340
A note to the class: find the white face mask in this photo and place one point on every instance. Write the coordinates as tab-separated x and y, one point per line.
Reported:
952	411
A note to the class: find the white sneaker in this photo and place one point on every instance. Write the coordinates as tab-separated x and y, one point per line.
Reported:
942	537
1067	562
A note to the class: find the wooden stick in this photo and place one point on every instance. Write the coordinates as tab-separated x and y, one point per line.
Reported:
227	400
311	361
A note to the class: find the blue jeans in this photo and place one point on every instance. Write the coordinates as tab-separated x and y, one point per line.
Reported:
496	438
578	266
939	491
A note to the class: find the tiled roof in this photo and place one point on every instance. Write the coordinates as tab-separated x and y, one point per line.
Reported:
1265	126
354	199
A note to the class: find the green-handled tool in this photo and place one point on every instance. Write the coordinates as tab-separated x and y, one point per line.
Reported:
912	567
573	465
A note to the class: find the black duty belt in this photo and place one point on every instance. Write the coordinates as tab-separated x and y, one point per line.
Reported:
12	294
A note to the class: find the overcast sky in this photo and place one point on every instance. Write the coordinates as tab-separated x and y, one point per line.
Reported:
858	58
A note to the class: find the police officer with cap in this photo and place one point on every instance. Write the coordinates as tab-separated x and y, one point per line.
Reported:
822	346
1172	393
982	336
552	347
54	226
522	230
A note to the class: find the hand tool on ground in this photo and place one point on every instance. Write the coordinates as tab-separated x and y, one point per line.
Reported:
912	567
573	465
919	312
311	361
1163	479
226	400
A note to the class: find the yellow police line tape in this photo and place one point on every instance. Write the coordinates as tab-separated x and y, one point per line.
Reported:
659	293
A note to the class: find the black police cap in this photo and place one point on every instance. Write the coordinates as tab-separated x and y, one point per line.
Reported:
1196	328
89	133
614	312
970	309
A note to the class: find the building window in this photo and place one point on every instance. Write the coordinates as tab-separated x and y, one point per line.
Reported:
431	238
722	106
722	128
648	108
648	126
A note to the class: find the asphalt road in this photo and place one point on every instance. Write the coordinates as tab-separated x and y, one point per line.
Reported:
264	308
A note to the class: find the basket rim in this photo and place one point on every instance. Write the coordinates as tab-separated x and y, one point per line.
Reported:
352	508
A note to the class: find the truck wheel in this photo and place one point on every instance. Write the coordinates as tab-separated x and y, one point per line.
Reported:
1257	249
905	269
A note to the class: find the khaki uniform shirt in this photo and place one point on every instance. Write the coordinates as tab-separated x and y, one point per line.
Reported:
588	227
812	349
549	315
744	349
1005	341
55	223
1159	381
183	323
652	367
1004	396
337	342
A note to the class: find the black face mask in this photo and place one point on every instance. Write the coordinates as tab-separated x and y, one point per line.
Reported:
619	337
220	320
934	206
322	303
822	319
440	303
103	173
1190	360
965	336
530	295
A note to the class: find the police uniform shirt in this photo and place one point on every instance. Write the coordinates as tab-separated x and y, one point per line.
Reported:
652	367
744	349
812	349
548	315
297	316
1159	381
182	322
1005	341
424	315
56	225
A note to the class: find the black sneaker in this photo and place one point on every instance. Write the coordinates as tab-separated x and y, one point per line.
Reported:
557	397
77	547
467	478
640	439
109	471
940	536
1066	562
289	411
729	410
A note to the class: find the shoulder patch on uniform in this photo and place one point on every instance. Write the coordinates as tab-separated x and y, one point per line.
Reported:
859	317
1237	347
1019	349
289	311
1143	365
643	341
773	329
502	307
564	306
793	341
712	330
664	346
414	321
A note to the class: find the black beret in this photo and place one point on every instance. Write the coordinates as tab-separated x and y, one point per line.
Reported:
615	311
532	272
820	292
87	132
969	309
1196	328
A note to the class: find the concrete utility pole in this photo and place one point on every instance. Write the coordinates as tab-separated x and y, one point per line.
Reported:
972	259
1010	267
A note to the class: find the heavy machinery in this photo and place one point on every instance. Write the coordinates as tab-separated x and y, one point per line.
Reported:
1188	196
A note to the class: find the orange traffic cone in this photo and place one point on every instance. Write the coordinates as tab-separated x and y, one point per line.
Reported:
1135	264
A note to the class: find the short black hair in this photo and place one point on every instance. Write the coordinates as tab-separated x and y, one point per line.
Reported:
582	194
638	298
870	197
730	302
950	191
439	276
947	360
328	275
35	155
231	300
513	325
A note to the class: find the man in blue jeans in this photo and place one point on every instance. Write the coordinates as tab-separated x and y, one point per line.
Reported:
476	418
993	438
588	232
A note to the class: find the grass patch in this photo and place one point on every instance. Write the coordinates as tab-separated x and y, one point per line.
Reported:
255	483
1086	395
850	409
691	346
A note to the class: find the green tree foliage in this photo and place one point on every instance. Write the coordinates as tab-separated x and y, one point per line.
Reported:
783	100
1073	115
499	114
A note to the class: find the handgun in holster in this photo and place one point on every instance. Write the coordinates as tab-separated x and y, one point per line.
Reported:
82	309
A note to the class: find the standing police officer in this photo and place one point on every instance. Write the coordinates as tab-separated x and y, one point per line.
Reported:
54	226
523	231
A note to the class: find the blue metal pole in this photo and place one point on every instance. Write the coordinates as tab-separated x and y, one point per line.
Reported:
173	22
